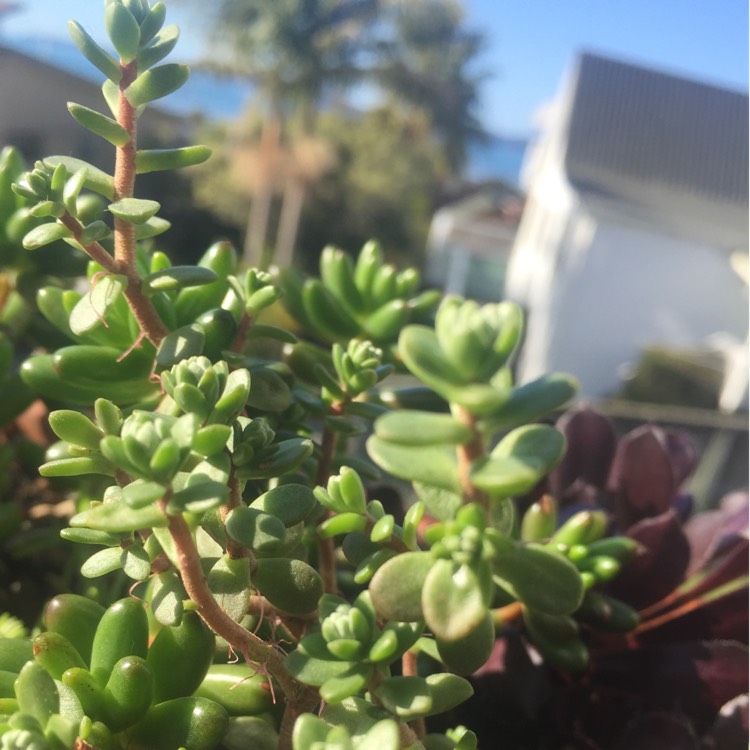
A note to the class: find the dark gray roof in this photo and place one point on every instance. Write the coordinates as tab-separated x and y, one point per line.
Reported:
631	127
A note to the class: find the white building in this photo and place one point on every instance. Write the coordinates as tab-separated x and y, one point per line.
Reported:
637	200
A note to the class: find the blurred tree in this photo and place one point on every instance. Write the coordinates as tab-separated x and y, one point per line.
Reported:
425	60
294	51
299	53
388	171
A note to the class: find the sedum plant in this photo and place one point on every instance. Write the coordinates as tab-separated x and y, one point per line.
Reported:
272	602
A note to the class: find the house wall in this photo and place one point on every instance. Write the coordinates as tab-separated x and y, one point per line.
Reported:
35	119
616	288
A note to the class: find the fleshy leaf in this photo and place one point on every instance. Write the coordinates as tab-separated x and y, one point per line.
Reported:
156	83
97	180
229	581
396	588
156	160
411	427
261	532
335	689
99	124
542	579
102	562
452	600
520	460
291	503
167	598
431	465
45	234
135	562
117	517
91	309
406	697
181	344
314	671
532	401
134	210
94	53
177	277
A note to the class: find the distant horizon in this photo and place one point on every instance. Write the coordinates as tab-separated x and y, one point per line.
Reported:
499	158
530	44
72	61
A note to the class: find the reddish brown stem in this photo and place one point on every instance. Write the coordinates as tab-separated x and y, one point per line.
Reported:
409	664
124	177
506	614
468	453
94	250
298	697
326	549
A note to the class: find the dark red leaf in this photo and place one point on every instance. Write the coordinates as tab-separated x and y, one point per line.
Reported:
642	475
658	731
655	573
711	531
697	677
590	448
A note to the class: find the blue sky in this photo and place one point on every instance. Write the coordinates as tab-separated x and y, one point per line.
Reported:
530	42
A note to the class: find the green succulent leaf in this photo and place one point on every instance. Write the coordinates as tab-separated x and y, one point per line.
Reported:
167	598
135	562
292	586
123	30
407	697
152	22
152	228
134	210
201	494
77	466
313	671
411	427
520	460
94	53
162	44
452	600
157	160
540	578
92	308
118	517
75	428
336	689
290	503
156	83
175	278
430	465
396	588
99	124
532	401
259	531
97	180
36	693
181	344
102	562
229	581
44	234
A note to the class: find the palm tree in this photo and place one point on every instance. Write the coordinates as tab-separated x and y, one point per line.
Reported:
295	52
425	60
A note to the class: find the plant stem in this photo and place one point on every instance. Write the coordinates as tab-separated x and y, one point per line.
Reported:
298	697
468	453
124	231
94	250
124	177
508	613
326	549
